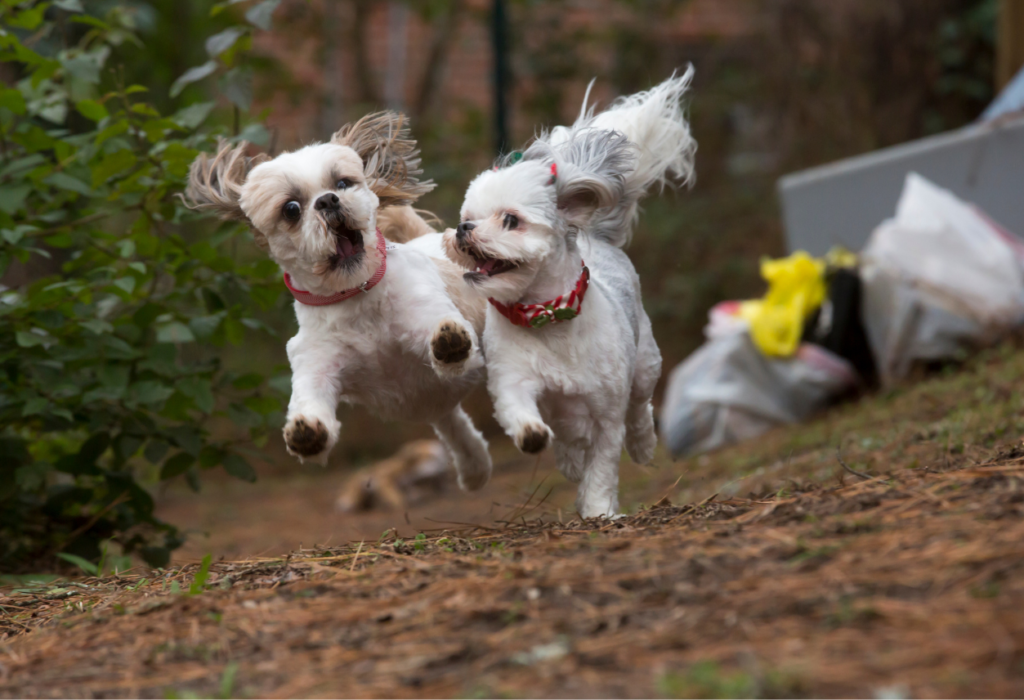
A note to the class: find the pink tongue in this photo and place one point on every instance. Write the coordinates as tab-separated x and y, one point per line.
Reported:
345	248
487	266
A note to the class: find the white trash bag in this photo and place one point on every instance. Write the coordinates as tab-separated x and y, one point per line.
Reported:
939	279
727	391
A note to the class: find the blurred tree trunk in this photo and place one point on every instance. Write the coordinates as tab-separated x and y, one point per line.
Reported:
365	80
332	114
1010	44
398	40
440	47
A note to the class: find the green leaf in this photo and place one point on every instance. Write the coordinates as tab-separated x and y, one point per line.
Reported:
91	109
198	389
234	331
114	376
248	382
260	15
155	451
29	19
83	564
236	466
199	582
150	392
84	67
192	116
28	340
63	181
13	198
112	165
222	41
125	283
205	326
176	465
13	100
263	405
174	332
192	75
97	326
35	406
237	87
187	438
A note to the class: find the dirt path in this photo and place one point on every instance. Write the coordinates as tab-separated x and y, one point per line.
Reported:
909	585
818	583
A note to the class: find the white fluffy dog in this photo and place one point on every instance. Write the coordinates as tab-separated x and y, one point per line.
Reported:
570	353
389	326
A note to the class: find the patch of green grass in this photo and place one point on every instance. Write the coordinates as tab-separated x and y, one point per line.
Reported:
988	589
846	613
705	679
199	582
225	691
27	579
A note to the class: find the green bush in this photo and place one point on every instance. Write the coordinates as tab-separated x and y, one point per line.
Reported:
109	373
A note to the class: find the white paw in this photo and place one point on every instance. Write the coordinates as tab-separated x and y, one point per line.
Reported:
474	476
598	508
451	348
532	437
641	449
311	438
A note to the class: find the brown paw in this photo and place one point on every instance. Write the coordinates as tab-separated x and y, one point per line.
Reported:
304	437
451	343
532	439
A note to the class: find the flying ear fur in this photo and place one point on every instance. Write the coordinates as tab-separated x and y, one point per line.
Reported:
390	157
215	183
591	173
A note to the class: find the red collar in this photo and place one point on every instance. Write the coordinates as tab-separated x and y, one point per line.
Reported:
311	299
563	308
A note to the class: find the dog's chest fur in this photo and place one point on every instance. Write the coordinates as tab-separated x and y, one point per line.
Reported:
379	346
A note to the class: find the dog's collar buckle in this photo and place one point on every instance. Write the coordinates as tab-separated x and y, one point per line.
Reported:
310	299
562	308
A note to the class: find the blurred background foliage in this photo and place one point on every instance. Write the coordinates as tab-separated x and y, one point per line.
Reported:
781	85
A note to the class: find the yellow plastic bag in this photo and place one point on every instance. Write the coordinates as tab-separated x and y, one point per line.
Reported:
796	288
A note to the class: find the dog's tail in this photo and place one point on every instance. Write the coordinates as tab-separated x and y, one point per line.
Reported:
654	121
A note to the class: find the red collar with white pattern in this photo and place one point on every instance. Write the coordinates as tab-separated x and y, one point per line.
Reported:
310	299
562	308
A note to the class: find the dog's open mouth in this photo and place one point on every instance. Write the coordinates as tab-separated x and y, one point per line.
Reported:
348	243
492	266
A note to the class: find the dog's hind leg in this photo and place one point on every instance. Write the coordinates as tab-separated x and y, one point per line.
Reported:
598	493
467	448
571	459
641	437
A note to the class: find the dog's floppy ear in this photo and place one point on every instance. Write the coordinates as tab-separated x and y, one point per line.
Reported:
390	157
215	183
589	173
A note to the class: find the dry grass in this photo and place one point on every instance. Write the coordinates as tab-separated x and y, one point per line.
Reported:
819	583
909	580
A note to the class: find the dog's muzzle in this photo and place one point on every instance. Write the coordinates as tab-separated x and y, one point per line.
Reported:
348	240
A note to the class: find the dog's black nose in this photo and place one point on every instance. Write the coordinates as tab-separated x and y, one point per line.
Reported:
464	228
327	201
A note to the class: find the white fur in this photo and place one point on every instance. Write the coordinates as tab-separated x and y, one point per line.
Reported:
587	383
653	120
373	349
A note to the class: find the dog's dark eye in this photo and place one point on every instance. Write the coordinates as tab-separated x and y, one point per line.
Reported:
511	221
292	211
343	184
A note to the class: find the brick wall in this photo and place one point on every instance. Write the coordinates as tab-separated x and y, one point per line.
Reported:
312	40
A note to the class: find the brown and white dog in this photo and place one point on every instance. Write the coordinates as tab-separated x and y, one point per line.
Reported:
384	318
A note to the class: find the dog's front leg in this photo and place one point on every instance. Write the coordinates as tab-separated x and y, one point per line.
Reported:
515	407
451	343
312	427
